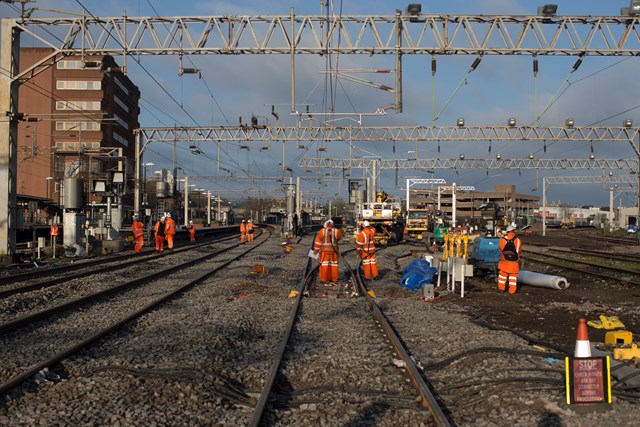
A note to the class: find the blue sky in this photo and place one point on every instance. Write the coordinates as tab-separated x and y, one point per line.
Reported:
501	87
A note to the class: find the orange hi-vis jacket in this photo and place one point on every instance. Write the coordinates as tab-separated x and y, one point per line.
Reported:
243	228
169	227
136	228
365	240
327	240
503	264
54	230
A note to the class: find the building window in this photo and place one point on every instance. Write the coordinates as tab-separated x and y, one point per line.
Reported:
121	85
73	146
77	126
78	65
122	140
121	121
78	105
121	103
79	85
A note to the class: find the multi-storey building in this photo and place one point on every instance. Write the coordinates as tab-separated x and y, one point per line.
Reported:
79	117
515	206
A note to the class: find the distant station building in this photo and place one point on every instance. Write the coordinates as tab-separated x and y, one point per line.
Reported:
79	117
516	207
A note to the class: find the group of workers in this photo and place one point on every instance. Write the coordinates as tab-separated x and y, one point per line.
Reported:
328	251
247	229
164	231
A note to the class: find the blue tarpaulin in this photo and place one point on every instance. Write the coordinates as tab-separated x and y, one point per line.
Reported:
418	273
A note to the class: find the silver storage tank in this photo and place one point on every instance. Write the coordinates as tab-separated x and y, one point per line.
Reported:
73	193
356	197
162	190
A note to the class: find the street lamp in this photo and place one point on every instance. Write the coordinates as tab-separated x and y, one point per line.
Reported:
145	165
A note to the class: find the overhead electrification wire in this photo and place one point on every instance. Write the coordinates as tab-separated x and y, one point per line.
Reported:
161	86
561	89
464	80
194	65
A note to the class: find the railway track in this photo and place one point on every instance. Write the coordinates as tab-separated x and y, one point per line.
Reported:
42	279
209	357
597	234
374	384
29	348
13	279
606	266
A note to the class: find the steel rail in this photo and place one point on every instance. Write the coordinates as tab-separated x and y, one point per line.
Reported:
607	255
428	400
18	379
261	405
107	268
30	318
581	270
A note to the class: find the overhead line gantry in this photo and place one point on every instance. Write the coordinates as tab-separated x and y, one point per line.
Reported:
292	35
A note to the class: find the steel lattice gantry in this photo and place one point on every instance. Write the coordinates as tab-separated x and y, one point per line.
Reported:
375	166
596	164
593	179
392	133
147	135
292	35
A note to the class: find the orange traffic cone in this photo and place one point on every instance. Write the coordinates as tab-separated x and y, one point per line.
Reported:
583	346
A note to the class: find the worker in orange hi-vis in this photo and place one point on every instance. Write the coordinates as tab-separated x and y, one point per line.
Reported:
54	236
169	230
326	244
250	230
160	234
508	267
366	250
192	232
243	230
136	229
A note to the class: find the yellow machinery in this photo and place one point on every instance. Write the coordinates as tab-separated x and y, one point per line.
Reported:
454	258
386	218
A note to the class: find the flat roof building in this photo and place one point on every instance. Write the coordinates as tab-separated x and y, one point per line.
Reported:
468	203
79	117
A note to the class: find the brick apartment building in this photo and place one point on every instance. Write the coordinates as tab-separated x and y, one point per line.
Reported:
79	120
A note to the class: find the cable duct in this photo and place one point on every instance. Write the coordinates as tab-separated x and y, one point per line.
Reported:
531	278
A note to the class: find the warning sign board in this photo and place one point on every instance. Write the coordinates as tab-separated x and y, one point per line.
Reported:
588	380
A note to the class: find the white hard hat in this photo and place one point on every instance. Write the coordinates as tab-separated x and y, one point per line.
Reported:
190	222
249	220
511	228
243	220
365	223
135	216
168	215
328	223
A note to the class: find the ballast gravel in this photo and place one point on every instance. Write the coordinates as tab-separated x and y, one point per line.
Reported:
202	359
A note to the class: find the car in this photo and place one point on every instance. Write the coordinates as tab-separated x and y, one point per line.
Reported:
632	229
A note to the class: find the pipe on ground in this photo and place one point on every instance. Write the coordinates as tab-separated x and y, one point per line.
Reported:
540	280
